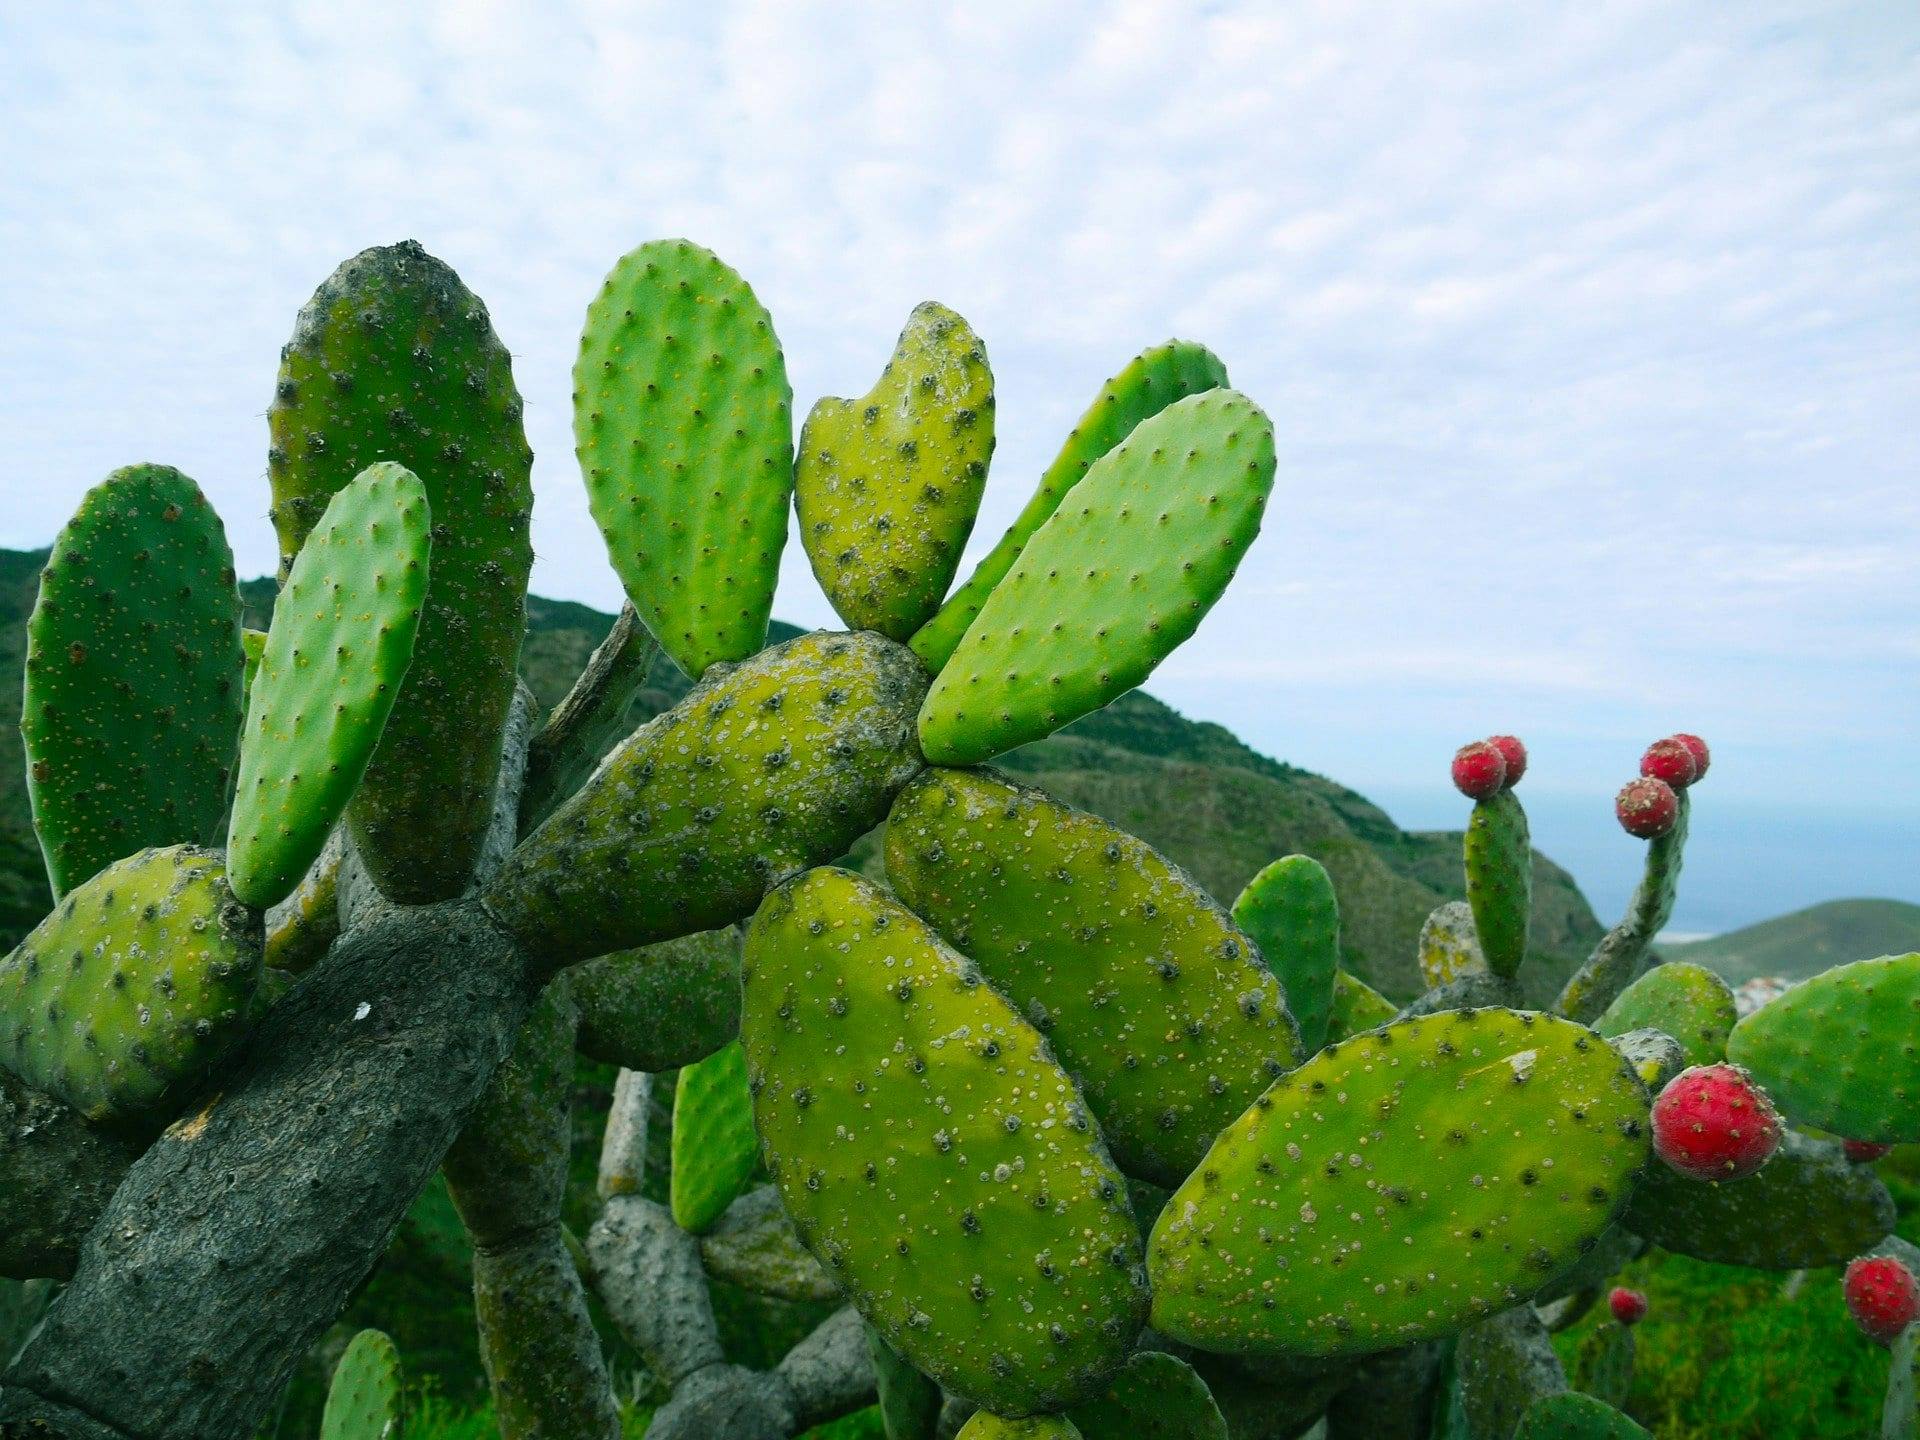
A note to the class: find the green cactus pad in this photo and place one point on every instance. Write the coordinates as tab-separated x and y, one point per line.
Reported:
1151	381
987	1426
1357	1007
1152	1000
932	1154
1838	1052
1111	584
1574	1416
714	1147
126	995
342	638
886	486
1807	1206
763	769
1449	947
1400	1185
909	1403
1688	1002
1499	855
683	422
1154	1397
134	672
394	359
366	1400
658	1007
1290	911
253	644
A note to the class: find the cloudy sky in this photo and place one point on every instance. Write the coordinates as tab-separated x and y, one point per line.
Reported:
1591	333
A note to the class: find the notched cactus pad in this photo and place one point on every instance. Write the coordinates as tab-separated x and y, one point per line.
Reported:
1289	910
1688	1002
133	688
1149	996
1841	1051
1574	1416
763	769
887	485
931	1152
366	1399
342	637
1151	381
1154	1397
714	1147
136	984
1111	584
1401	1185
1449	948
394	359
683	423
1499	861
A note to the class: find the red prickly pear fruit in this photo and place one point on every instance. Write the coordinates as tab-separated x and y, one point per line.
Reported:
1479	769
1646	807
1713	1123
1629	1306
1701	758
1670	760
1514	753
1865	1152
1881	1296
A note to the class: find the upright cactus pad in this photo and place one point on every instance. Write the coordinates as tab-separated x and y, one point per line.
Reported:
1449	946
394	359
134	676
1574	1416
714	1147
1151	381
1357	1007
1290	911
366	1399
683	422
1401	1185
342	638
1838	1052
1111	584
253	644
761	770
123	997
1688	1002
1154	1397
931	1152
1150	997
1500	880
887	486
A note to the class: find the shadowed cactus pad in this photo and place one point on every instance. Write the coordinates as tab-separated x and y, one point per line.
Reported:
931	1152
683	423
1400	1185
1290	911
1154	1397
662	1006
887	485
1357	1007
134	674
1690	1003
1149	996
1111	584
126	995
1499	860
366	1398
1449	948
714	1147
1574	1416
342	637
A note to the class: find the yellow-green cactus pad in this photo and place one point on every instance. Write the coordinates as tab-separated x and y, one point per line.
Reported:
1151	381
302	928
1290	911
367	1398
395	359
987	1426
763	769
1401	1185
1499	856
134	672
714	1147
253	644
342	638
658	1007
1357	1007
1571	1415
1153	1397
1157	1006
683	422
1688	1002
932	1154
1449	948
127	994
1111	584
1841	1052
887	486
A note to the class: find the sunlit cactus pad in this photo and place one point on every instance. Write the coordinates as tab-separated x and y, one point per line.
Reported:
1499	863
366	1398
987	1426
1289	910
1401	1185
931	1152
1154	1397
1688	1002
714	1147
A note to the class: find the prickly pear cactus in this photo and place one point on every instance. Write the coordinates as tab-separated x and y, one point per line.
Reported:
253	644
365	1401
1289	910
909	1402
1499	856
887	485
714	1147
1153	1397
660	1006
131	707
1149	996
1503	1140
1574	1416
128	993
931	1152
1356	1007
1449	948
1603	1366
683	423
986	1426
1688	1002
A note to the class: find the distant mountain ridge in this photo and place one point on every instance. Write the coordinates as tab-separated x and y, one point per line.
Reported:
1805	942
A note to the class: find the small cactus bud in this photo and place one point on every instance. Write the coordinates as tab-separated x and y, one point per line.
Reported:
1700	755
1881	1296
1514	753
1629	1306
1670	760
1865	1152
1646	808
1479	769
1713	1123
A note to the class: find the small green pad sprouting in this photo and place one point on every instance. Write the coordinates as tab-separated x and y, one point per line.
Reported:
932	1154
1449	948
1153	1397
253	644
1688	1002
887	486
1838	1052
134	672
1292	914
985	1425
683	423
1111	584
1499	856
1149	996
127	994
1503	1141
1603	1365
1151	381
366	1399
1571	1415
341	641
1357	1007
714	1147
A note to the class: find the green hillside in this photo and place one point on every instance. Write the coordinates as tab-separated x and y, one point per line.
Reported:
1805	942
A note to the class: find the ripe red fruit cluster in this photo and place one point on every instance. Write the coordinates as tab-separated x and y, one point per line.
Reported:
1865	1152
1713	1123
1881	1296
1629	1306
1486	767
1647	808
